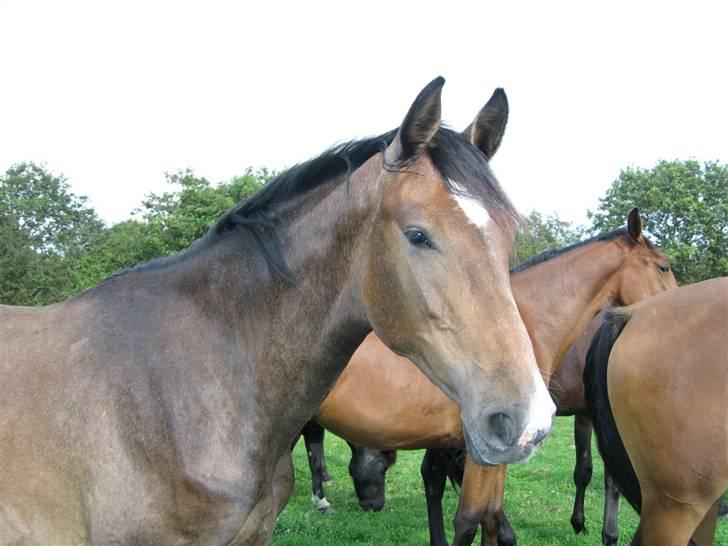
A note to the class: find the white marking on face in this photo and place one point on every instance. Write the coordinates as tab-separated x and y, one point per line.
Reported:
541	407
474	211
476	214
541	410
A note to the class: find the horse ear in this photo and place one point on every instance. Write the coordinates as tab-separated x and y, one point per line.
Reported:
634	224
486	130
419	125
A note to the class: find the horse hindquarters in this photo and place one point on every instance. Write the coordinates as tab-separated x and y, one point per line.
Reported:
669	523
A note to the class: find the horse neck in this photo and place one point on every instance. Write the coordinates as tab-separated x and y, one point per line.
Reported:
310	329
557	298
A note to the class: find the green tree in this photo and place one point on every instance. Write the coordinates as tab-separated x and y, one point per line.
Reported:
178	218
119	247
543	233
44	231
52	245
684	207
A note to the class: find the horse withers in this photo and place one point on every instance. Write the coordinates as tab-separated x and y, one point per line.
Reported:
656	380
159	406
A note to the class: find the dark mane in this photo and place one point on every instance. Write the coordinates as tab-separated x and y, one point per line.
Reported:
547	255
463	167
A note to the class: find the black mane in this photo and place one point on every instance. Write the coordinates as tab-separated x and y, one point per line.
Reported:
463	167
547	255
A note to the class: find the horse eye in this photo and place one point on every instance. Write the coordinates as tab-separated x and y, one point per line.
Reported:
664	267
417	237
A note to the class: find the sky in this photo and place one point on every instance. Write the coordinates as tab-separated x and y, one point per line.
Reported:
114	94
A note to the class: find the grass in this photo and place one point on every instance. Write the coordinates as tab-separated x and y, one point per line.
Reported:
539	497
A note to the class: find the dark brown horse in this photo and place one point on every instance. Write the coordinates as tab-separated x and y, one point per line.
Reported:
656	382
159	406
382	401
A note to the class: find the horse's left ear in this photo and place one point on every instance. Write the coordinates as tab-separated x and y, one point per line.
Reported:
486	130
634	224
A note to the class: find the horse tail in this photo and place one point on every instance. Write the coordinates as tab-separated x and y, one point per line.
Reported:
615	457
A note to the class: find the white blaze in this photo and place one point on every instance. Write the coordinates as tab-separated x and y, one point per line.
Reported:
541	408
474	212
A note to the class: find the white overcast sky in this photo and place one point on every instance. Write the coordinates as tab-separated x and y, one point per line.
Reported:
113	94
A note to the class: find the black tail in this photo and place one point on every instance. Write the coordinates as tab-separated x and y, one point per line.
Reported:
611	448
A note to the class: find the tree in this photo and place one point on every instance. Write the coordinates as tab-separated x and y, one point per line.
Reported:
44	231
119	247
684	207
181	217
52	245
543	233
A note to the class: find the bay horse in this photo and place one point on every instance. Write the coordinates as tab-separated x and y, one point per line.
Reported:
381	401
656	381
158	407
567	390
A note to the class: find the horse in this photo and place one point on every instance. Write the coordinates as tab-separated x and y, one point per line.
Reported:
366	468
381	401
656	380
159	406
567	390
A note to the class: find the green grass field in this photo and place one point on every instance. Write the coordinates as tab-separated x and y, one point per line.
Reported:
539	497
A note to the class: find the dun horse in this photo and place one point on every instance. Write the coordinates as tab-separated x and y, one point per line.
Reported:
656	381
381	400
159	406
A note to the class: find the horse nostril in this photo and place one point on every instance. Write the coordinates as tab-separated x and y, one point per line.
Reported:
503	428
540	436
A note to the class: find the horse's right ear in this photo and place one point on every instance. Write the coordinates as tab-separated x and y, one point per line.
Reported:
419	125
634	224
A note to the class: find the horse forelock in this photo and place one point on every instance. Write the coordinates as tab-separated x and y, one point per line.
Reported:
463	168
467	173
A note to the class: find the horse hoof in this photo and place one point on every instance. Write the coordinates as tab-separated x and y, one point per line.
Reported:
323	505
609	541
578	525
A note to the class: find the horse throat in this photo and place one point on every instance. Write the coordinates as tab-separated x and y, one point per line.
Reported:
557	298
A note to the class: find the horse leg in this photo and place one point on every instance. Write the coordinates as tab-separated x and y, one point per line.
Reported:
261	521
434	475
495	527
480	503
313	436
665	522
705	533
506	534
582	469
722	508
610	530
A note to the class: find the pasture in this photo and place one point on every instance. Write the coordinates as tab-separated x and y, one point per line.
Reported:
539	497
